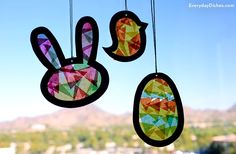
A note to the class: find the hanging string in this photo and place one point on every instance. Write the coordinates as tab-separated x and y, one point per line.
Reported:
153	14
71	26
126	5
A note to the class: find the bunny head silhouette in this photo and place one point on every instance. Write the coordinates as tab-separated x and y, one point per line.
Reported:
72	82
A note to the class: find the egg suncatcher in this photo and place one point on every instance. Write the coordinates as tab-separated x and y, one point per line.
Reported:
158	116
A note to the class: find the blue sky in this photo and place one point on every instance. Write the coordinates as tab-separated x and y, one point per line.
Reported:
196	48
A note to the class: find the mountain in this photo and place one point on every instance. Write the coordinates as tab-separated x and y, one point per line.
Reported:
88	116
92	116
209	115
233	108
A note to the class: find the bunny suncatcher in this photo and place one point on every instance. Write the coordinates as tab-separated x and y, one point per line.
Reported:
72	82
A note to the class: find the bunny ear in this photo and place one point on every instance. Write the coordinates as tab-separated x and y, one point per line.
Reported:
46	48
86	39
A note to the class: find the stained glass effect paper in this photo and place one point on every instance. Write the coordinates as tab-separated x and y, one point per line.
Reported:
87	40
157	111
129	40
74	82
48	50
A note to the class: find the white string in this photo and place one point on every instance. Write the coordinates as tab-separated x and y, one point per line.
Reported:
153	14
71	26
126	5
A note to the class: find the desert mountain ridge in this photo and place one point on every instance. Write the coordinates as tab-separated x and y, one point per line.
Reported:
93	116
88	116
